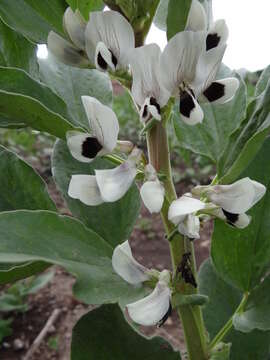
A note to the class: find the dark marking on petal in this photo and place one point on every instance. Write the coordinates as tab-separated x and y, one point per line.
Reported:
186	104
231	218
215	91
114	59
101	62
145	111
184	268
91	147
212	41
154	102
165	317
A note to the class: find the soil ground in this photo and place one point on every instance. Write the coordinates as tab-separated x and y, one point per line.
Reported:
147	239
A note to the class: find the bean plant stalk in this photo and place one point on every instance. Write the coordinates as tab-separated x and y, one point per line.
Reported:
191	316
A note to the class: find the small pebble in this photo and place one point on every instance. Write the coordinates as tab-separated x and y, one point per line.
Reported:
18	344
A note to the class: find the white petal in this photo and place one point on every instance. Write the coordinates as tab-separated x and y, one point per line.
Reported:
104	58
75	27
221	91
144	62
114	183
84	188
217	35
114	31
190	110
183	206
238	220
103	122
243	221
150	107
126	266
75	143
238	197
151	309
65	52
179	58
152	194
197	17
207	68
190	227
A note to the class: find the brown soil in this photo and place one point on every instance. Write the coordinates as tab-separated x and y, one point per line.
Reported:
150	248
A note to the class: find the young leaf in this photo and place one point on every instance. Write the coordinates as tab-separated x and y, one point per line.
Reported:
34	19
46	236
114	339
113	221
71	83
178	11
241	256
256	314
223	301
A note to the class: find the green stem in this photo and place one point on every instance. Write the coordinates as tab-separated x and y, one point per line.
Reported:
229	324
191	317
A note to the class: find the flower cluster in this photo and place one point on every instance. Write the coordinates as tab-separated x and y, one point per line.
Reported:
186	70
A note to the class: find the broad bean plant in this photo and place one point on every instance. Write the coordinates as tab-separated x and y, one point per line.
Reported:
224	308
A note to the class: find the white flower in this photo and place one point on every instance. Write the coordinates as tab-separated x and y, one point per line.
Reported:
107	185
109	38
147	89
152	191
152	309
73	52
103	139
233	200
188	68
181	214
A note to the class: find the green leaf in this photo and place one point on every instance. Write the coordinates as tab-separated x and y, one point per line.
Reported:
248	139
221	352
256	314
224	300
37	283
22	188
113	221
17	51
178	11
86	6
114	339
211	137
33	104
71	83
27	235
242	256
34	19
5	328
262	82
195	299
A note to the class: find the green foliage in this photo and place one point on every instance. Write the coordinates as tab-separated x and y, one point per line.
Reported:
5	328
223	301
113	221
53	343
85	6
104	343
43	235
17	51
178	11
33	104
242	256
70	84
34	19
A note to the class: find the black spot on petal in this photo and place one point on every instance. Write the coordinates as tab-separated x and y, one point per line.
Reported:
101	62
91	147
186	104
145	111
231	218
215	91
212	41
153	102
165	317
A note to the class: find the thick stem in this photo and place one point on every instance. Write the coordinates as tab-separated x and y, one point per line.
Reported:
191	317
